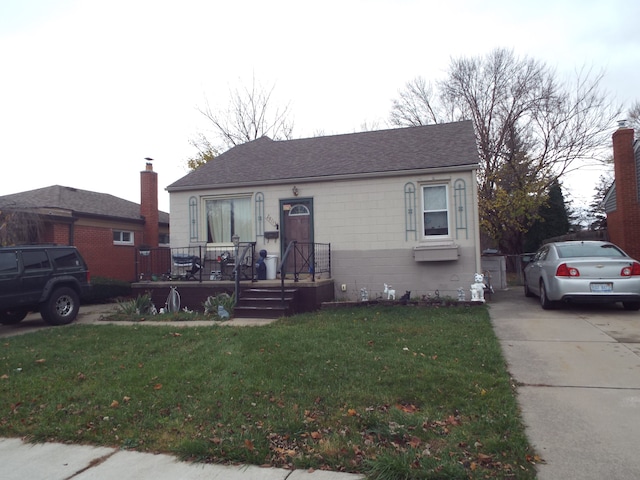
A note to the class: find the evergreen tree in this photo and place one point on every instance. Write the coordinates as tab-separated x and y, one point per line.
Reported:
553	219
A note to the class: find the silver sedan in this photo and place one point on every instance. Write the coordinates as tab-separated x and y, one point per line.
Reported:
583	271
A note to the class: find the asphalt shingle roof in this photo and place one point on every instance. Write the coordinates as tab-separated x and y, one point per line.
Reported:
402	149
76	200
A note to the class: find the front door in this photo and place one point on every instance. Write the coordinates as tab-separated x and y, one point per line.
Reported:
296	219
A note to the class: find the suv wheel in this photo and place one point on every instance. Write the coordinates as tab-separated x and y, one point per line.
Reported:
61	307
11	317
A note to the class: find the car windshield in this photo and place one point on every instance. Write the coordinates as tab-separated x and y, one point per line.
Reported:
588	250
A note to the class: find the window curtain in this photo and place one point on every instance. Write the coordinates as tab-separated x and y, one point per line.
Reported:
242	218
219	220
229	216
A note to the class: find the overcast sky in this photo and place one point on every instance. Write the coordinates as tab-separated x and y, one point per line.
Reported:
88	88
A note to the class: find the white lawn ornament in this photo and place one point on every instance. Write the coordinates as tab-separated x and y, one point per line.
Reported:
477	289
391	294
364	295
461	294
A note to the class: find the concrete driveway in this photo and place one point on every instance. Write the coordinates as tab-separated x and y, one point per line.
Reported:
577	371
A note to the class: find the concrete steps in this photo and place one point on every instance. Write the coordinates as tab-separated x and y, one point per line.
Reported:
266	303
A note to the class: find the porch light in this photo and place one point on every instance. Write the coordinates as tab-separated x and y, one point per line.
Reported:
295	191
235	239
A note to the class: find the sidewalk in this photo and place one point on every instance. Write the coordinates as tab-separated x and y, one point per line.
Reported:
55	461
577	371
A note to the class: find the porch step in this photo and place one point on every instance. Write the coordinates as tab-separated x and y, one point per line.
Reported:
266	303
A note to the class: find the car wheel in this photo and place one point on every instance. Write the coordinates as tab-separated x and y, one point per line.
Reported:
527	292
61	307
11	317
631	305
545	303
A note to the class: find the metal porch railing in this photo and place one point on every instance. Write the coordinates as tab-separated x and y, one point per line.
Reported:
196	263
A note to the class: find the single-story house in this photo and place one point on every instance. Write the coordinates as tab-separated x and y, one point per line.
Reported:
397	207
622	201
107	230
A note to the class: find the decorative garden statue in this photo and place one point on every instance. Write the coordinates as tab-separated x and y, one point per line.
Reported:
477	289
364	295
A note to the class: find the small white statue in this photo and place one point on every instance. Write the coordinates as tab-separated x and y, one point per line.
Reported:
391	293
364	295
222	313
477	289
461	294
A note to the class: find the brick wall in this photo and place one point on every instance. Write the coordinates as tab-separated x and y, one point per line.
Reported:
103	257
624	223
94	240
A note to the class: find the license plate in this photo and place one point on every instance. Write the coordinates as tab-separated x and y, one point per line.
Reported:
601	287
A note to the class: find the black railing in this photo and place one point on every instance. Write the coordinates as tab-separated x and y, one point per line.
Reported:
196	263
304	258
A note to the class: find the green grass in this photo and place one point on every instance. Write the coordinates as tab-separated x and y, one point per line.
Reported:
392	392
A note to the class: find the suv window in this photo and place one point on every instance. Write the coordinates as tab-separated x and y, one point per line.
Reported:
35	260
63	258
8	263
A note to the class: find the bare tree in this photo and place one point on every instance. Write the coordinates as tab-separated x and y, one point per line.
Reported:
19	225
415	106
248	116
206	152
523	115
634	117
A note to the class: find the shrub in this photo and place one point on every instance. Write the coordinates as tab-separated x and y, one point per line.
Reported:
142	305
104	290
225	300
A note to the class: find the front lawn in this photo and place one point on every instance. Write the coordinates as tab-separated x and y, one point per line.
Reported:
392	392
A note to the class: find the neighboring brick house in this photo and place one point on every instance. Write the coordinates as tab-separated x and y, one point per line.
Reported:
107	230
622	202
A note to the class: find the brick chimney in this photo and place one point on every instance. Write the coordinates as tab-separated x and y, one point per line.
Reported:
624	223
149	205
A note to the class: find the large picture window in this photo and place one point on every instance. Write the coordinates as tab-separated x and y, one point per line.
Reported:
227	217
435	208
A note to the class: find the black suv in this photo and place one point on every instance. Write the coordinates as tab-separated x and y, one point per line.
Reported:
48	278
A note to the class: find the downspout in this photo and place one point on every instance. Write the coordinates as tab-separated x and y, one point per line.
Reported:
476	217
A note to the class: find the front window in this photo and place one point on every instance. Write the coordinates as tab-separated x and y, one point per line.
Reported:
435	207
122	237
227	217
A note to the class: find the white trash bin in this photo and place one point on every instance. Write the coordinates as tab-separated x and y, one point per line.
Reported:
271	263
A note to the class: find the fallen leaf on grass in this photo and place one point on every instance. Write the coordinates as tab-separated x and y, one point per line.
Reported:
249	444
407	408
41	360
157	386
414	442
534	459
115	404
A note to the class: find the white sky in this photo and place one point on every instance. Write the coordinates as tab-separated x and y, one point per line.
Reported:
88	88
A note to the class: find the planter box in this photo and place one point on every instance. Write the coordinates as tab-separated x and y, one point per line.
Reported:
435	253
